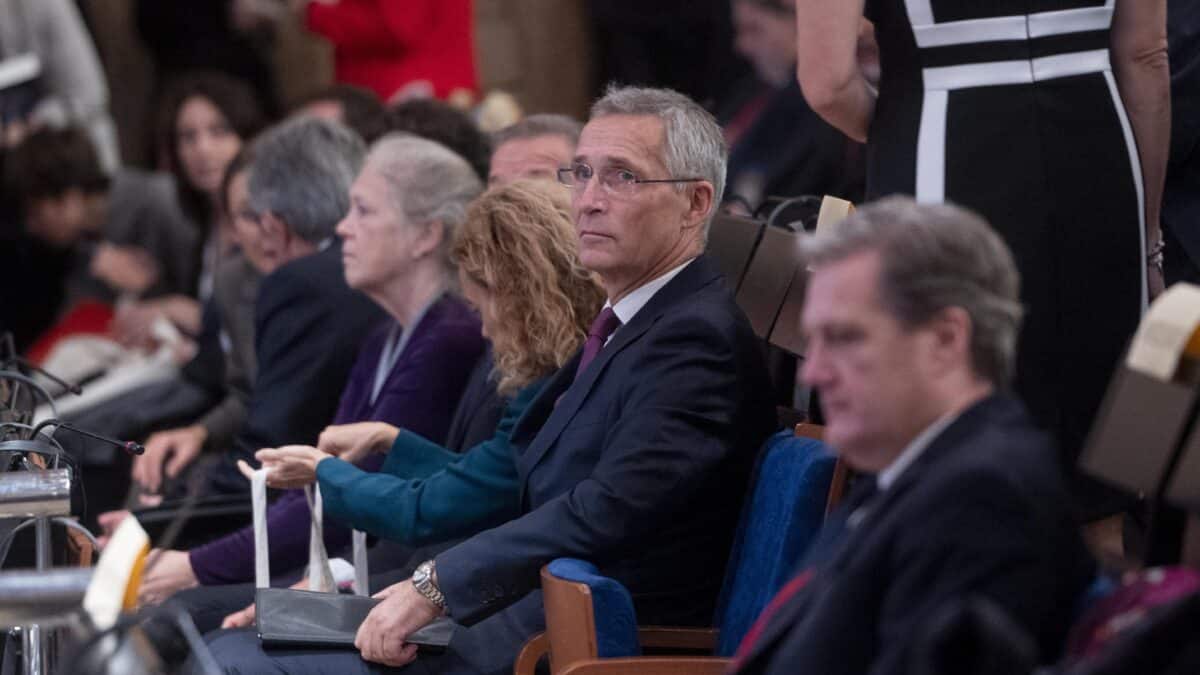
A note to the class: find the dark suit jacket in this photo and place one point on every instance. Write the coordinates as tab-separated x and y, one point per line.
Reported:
640	465
982	511
308	325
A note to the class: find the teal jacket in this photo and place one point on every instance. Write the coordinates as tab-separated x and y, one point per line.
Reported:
416	497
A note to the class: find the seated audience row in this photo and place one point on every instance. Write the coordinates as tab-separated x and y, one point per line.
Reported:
605	400
659	389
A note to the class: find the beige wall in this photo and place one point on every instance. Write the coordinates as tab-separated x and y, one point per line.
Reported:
537	50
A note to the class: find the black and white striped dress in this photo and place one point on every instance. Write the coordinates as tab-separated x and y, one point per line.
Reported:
1010	107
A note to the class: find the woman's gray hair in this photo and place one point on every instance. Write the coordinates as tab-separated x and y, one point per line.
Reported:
694	146
426	182
302	173
933	257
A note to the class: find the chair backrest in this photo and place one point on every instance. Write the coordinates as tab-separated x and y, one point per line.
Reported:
768	278
588	616
842	474
780	519
731	242
785	333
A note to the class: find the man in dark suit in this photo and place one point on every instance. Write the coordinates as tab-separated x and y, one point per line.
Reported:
911	316
308	322
637	453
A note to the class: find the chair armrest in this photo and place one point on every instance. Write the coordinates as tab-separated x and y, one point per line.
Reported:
533	651
652	665
674	637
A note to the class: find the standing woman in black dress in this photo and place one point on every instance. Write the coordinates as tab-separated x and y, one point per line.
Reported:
1049	117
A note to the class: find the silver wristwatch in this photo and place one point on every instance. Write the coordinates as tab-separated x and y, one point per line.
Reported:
422	579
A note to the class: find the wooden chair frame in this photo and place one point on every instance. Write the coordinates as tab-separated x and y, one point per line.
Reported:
570	640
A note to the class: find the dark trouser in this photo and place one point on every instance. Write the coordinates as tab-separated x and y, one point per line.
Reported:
488	648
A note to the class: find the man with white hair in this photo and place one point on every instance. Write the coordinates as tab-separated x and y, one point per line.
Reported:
637	453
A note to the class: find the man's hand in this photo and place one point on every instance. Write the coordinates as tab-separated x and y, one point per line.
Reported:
353	442
381	637
175	448
166	573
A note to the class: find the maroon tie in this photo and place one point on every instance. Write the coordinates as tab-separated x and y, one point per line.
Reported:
602	327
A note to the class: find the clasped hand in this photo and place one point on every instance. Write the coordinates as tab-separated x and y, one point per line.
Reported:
294	466
382	637
291	466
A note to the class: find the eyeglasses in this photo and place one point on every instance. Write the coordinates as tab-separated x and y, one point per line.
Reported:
613	179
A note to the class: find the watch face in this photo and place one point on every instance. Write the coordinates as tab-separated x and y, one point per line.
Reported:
421	574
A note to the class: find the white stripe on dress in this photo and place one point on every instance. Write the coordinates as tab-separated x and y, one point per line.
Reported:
1136	164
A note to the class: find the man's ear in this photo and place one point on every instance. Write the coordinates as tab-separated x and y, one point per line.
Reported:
702	202
276	235
950	331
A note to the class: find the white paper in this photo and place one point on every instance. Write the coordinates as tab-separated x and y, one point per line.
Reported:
262	553
320	578
833	211
361	572
114	573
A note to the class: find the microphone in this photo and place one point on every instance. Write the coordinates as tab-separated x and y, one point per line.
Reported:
128	446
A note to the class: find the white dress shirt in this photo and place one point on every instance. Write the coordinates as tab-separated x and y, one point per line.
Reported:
628	306
915	449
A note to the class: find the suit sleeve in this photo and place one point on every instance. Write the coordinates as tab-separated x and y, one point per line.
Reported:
294	332
673	435
986	545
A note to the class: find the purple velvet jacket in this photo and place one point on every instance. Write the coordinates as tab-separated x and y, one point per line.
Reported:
419	395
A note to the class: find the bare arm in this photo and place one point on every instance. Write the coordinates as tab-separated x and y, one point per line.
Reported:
1139	57
827	64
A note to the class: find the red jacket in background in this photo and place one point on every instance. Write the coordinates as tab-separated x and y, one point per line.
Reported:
384	45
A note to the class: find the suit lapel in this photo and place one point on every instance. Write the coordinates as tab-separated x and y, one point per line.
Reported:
562	398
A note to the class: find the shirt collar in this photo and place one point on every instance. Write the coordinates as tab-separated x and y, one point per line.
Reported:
915	449
628	306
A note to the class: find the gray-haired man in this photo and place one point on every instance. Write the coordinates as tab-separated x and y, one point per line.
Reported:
911	318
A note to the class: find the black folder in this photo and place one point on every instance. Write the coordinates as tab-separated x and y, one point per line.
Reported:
307	619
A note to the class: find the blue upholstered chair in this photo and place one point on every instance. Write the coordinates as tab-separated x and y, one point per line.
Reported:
591	624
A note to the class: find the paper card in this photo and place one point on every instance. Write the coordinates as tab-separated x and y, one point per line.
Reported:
833	211
118	575
262	552
1166	333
